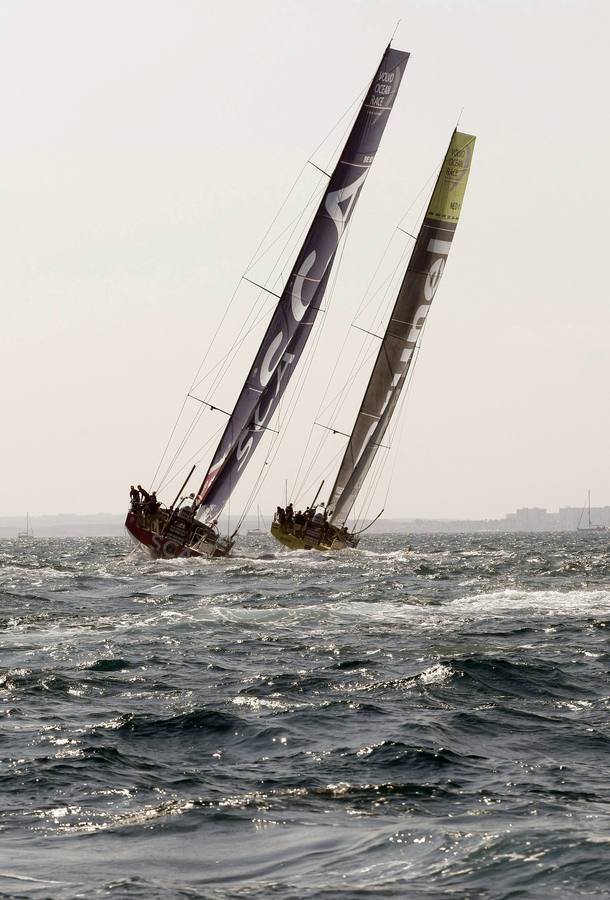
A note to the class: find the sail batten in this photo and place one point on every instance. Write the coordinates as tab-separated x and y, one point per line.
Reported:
300	300
397	350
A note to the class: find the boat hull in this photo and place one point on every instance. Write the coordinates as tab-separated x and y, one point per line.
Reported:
296	542
161	547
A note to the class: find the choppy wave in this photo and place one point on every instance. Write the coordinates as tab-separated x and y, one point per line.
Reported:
425	718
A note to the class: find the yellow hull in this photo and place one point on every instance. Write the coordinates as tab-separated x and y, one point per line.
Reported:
298	543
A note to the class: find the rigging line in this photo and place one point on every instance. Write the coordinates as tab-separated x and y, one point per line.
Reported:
349	109
389	281
275	443
192	457
295	239
261	287
398	227
319	169
332	430
235	346
335	151
389	289
381	462
258	312
365	302
341	255
315	195
359	361
193	383
433	176
374	478
361	501
230	356
360	515
194	424
323	439
379	465
169	440
329	299
319	330
189	431
250	265
403	419
310	355
256	486
261	476
315	481
212	408
310	435
397	427
229	305
404	231
192	387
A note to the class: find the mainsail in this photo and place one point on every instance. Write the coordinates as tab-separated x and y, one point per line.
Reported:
398	344
294	316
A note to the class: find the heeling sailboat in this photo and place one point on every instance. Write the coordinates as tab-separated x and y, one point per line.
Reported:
325	528
191	530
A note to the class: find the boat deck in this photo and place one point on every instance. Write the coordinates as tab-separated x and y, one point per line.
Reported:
306	542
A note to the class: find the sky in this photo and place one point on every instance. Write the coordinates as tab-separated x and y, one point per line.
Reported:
148	145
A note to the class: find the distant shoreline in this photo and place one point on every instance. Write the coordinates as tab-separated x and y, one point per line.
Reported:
524	520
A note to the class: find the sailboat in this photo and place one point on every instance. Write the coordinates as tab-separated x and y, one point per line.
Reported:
258	529
28	534
324	527
188	527
589	526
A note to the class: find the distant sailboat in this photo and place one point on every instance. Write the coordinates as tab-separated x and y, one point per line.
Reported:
258	529
324	527
589	526
189	527
28	534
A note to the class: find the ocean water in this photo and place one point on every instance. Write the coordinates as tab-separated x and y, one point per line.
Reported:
422	721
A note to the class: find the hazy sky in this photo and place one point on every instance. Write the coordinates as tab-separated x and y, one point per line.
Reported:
146	146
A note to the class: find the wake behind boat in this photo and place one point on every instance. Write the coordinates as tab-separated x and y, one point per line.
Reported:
325	528
188	527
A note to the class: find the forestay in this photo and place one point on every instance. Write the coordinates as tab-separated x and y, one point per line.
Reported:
395	355
300	300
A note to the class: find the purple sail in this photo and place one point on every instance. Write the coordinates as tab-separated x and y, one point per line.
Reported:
295	313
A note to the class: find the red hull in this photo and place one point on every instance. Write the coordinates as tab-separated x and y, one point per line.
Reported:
161	547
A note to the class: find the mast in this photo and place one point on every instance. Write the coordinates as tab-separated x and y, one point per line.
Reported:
408	316
589	502
301	298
